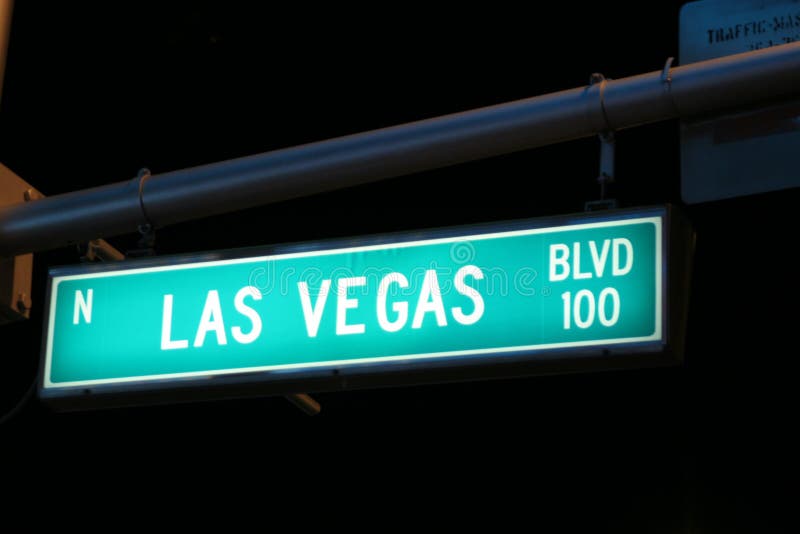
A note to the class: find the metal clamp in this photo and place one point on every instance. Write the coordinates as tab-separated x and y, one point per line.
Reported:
607	150
598	79
143	175
147	234
666	74
666	81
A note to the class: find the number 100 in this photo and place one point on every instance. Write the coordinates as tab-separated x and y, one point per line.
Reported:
584	314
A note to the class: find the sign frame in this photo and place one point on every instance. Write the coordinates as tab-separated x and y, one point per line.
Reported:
677	244
742	152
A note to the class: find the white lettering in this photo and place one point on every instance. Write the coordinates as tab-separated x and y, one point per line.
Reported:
211	320
430	300
313	316
166	328
556	260
83	306
343	304
604	319
576	262
472	293
622	242
599	260
589	297
400	308
248	312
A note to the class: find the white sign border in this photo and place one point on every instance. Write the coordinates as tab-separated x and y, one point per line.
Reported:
656	336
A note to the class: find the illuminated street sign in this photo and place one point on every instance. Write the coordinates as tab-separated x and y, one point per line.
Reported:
520	291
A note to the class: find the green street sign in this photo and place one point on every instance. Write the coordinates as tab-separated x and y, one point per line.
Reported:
520	291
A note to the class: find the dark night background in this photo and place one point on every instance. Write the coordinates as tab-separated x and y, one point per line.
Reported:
94	92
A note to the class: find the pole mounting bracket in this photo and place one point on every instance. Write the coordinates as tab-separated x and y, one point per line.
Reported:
607	139
147	233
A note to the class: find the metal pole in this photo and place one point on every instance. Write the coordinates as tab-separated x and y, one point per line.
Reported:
6	9
732	82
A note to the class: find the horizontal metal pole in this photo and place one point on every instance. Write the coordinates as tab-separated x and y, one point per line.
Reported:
733	82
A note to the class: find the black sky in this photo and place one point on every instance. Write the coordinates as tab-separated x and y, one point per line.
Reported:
94	93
